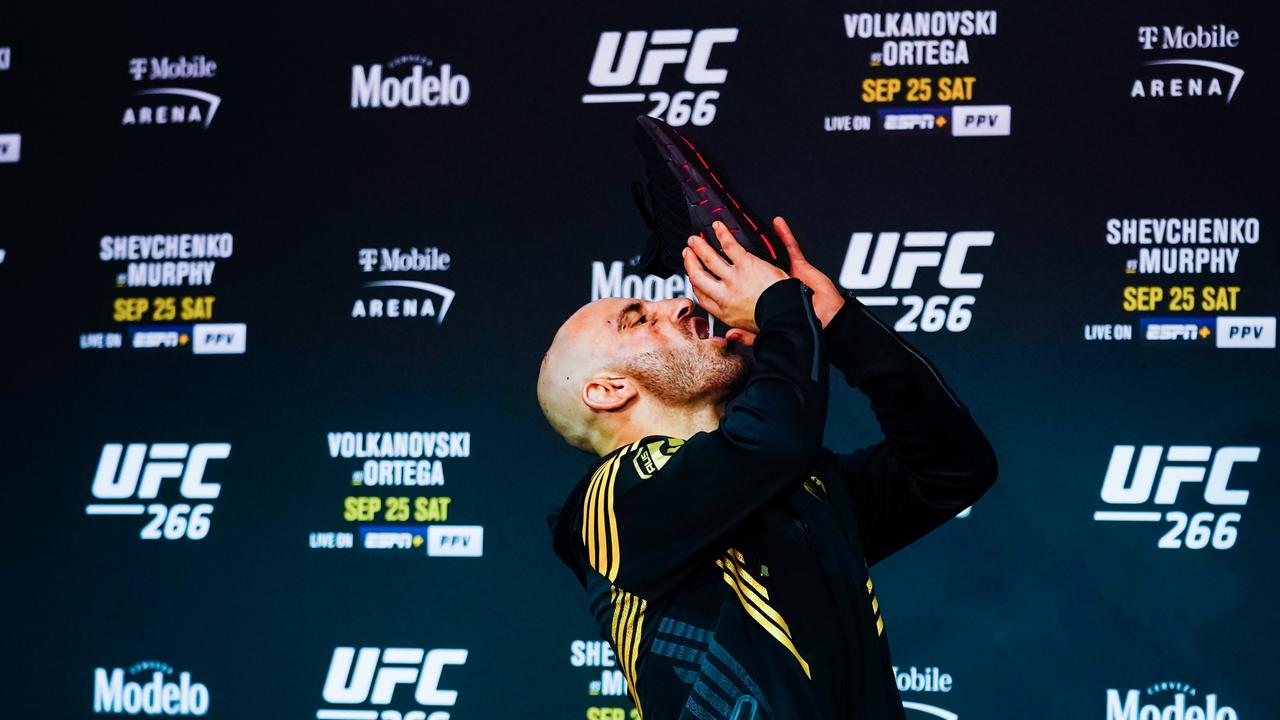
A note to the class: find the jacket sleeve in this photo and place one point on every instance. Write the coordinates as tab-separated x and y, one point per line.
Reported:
662	505
933	462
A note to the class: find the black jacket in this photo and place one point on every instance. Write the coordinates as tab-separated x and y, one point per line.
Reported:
729	570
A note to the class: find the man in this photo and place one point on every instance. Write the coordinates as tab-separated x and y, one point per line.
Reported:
725	551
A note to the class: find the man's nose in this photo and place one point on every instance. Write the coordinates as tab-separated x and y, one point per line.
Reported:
680	308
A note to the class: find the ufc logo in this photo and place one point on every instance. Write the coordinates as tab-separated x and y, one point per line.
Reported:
898	270
1118	489
650	53
142	472
377	673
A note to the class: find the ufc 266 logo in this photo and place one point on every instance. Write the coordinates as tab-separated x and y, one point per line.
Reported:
1174	467
128	475
625	67
876	263
370	676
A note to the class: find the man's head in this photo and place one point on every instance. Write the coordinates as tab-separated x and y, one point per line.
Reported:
618	361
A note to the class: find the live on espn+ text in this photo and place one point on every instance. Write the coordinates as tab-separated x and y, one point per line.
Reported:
280	283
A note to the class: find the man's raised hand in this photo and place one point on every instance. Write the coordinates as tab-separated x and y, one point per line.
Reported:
827	299
728	291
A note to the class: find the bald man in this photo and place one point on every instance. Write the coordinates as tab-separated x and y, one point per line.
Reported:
724	550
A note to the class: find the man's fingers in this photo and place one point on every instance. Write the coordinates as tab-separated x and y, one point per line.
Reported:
788	240
707	287
741	336
708	255
708	304
727	241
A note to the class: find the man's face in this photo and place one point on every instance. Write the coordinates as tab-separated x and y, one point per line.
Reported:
669	350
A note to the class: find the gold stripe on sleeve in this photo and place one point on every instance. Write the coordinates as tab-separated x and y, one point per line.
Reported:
589	516
614	554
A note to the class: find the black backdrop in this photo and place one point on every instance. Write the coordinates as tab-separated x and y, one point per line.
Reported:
1032	606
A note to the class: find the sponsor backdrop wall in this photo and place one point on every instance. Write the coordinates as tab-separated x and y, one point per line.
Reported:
277	281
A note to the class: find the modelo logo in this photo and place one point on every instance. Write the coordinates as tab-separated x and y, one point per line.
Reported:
113	695
614	283
370	89
1183	464
1133	709
372	675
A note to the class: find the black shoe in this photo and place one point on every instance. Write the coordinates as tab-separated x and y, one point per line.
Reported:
686	193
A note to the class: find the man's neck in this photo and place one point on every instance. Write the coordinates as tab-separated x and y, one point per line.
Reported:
671	422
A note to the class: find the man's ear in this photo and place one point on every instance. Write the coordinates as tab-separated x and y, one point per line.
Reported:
603	393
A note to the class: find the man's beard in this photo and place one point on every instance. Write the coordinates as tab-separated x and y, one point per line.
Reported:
687	374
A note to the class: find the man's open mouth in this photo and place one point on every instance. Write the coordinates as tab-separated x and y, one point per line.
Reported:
700	327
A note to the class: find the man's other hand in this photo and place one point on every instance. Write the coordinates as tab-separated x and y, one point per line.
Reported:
827	299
